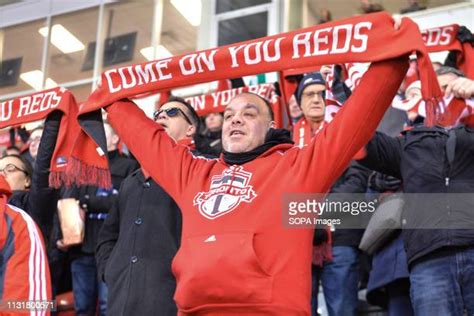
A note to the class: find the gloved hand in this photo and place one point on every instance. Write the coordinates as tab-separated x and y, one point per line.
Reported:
465	36
381	182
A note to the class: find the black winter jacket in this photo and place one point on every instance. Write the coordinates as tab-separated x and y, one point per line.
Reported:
353	180
40	201
98	201
136	245
420	158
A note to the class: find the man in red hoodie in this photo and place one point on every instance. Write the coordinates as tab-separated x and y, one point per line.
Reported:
236	255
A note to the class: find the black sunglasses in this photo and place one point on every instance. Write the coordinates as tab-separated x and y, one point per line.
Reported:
172	112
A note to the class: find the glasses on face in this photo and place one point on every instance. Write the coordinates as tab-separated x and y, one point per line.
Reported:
11	168
172	112
35	139
312	94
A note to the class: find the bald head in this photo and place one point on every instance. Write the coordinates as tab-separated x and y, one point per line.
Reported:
247	119
260	100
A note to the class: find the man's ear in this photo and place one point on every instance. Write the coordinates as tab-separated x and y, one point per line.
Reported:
191	131
115	139
27	182
272	124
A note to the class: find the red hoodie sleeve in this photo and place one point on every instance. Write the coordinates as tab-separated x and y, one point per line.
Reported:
169	164
319	164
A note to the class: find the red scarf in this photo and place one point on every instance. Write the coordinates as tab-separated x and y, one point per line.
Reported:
217	101
302	135
453	111
445	38
366	38
362	38
37	106
302	132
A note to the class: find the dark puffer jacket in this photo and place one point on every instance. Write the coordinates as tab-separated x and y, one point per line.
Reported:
430	160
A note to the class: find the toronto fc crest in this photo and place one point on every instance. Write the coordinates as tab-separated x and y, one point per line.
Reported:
227	191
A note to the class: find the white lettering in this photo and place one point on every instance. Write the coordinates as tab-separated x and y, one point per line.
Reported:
361	37
56	98
301	40
200	103
145	74
34	106
24	105
335	39
123	76
207	60
433	37
233	54
160	65
266	50
192	66
215	98
110	82
258	57
323	40
6	114
446	36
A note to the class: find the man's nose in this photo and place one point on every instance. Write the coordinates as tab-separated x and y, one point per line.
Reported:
236	119
162	116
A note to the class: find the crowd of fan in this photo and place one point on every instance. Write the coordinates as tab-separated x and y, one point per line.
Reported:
133	231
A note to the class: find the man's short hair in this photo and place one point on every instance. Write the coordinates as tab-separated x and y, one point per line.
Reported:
191	112
267	103
444	70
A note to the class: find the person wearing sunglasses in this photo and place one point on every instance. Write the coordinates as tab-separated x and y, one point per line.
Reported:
127	257
178	118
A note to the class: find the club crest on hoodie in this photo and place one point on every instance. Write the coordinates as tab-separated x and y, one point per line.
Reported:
226	192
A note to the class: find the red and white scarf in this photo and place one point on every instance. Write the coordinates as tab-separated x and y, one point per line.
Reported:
37	106
366	38
217	101
444	38
452	111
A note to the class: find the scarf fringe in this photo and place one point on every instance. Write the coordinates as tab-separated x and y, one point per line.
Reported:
432	107
80	173
323	253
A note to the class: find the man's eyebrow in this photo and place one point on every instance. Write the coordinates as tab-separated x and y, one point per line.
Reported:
247	106
251	106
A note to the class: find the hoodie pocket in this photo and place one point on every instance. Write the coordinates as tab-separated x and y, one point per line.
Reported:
220	269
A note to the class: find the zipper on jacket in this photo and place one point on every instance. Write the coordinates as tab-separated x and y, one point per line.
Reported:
446	181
